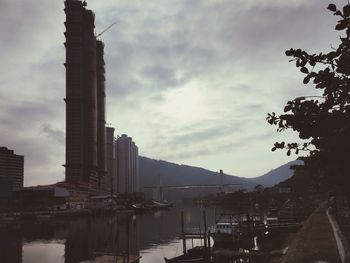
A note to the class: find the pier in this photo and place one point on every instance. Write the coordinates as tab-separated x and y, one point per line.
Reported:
205	235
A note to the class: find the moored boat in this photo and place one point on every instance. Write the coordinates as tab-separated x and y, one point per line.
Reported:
226	232
186	258
151	205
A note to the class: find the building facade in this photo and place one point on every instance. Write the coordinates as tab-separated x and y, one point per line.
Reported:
111	178
85	99
127	165
11	169
101	116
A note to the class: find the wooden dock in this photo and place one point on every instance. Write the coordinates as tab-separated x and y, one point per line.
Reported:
205	235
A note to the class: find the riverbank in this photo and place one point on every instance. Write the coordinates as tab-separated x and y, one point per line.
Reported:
315	242
14	218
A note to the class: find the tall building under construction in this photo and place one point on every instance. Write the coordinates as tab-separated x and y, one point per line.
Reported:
85	99
101	122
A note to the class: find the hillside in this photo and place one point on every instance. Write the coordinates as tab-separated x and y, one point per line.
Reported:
175	174
277	175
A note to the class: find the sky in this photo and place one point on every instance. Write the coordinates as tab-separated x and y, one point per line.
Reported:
191	81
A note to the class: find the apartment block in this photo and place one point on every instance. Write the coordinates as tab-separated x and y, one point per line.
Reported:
11	169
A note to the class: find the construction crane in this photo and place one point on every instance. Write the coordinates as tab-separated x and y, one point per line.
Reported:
105	30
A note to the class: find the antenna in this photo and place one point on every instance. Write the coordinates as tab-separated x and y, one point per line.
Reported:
105	30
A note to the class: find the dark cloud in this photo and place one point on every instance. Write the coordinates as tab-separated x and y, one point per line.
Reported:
161	75
17	114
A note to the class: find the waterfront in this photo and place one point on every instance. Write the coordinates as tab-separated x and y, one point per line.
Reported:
153	236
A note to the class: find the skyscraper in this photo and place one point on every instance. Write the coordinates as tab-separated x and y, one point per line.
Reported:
85	107
101	113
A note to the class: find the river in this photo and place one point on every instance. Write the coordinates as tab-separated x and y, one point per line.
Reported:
153	236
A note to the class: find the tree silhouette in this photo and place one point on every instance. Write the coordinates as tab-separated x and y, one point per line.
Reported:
322	121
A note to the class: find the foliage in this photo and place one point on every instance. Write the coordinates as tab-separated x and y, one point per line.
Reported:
322	121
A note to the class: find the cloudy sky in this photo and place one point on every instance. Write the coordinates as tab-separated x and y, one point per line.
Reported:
190	80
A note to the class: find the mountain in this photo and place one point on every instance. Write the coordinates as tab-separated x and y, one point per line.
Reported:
277	175
177	175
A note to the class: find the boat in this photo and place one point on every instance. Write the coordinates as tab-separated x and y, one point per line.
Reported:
271	220
234	233
226	232
140	207
151	205
186	258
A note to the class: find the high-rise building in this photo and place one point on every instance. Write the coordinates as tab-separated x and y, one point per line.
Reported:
85	99
136	170
127	165
101	113
11	169
111	177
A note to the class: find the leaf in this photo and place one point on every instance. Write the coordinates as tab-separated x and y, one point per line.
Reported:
306	79
331	55
297	151
304	70
346	10
303	63
288	152
332	7
289	52
287	108
342	24
273	149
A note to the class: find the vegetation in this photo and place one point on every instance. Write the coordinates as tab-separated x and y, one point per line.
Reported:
322	121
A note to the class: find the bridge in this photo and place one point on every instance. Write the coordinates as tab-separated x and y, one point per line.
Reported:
162	187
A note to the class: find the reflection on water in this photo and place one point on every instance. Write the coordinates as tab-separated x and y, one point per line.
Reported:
153	236
159	251
39	251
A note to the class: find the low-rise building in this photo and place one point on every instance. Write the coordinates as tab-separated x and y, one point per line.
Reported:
11	169
36	198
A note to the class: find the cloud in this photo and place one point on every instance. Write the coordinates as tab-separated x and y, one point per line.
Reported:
54	134
186	79
22	131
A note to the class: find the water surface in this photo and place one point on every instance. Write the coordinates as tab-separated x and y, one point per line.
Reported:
153	236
